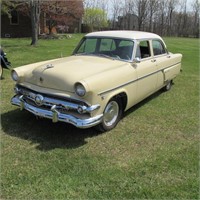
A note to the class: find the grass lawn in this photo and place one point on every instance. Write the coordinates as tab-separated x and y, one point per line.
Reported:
153	153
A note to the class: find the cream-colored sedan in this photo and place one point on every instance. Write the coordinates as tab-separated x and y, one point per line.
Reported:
107	74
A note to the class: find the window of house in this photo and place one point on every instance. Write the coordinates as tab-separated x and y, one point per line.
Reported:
14	18
158	47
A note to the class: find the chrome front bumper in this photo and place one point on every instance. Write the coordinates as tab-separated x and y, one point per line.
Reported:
55	115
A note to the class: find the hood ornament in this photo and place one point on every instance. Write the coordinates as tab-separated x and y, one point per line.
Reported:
48	67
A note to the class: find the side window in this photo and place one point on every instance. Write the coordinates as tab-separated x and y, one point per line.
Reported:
107	45
158	47
125	49
143	50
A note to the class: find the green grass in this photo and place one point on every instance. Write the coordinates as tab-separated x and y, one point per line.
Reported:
153	153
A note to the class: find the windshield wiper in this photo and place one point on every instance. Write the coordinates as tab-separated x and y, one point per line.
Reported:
80	54
105	56
100	55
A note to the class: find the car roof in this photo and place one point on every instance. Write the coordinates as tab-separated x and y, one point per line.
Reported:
135	35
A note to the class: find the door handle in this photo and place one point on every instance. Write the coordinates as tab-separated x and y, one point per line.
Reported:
153	60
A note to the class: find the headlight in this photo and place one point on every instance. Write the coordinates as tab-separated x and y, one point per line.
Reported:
80	89
14	75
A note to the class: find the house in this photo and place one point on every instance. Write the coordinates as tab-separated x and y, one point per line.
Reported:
56	17
17	25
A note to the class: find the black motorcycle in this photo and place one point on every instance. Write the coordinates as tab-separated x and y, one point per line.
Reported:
5	64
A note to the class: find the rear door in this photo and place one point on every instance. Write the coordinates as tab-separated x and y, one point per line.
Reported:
166	63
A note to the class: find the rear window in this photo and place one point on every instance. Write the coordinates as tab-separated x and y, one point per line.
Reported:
158	47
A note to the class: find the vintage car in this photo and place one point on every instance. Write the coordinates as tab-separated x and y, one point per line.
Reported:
108	73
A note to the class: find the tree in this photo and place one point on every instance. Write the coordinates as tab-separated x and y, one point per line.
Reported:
95	18
56	12
116	11
95	14
141	8
5	7
196	8
181	19
128	10
153	5
35	19
171	7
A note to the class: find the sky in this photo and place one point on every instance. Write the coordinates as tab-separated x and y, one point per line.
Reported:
189	3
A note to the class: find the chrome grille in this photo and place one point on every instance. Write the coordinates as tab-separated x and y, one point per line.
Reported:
63	105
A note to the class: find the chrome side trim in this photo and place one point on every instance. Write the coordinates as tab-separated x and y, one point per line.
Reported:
55	115
132	81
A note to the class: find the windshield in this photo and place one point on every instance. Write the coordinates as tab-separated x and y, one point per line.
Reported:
121	49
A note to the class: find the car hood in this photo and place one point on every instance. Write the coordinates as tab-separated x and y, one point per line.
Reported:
62	74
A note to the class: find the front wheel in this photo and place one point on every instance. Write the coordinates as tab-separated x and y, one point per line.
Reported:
111	116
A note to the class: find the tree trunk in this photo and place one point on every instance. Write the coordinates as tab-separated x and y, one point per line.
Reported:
35	17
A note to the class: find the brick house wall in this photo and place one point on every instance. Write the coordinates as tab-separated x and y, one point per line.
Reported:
23	27
20	29
19	25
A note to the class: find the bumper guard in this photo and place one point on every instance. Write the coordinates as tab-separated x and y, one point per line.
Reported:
55	115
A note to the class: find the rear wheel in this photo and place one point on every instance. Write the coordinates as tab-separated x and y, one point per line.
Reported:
111	116
168	86
1	72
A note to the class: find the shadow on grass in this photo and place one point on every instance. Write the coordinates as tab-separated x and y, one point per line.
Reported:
47	135
42	132
143	102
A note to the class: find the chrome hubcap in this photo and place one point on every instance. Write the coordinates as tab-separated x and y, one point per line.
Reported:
111	113
168	86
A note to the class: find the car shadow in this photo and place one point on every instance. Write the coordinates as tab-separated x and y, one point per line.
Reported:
44	134
2	78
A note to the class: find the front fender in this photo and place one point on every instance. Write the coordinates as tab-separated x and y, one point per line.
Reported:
119	93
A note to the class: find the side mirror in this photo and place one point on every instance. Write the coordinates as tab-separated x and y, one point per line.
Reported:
137	60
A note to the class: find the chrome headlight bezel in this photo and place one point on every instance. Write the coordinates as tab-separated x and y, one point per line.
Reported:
14	75
80	90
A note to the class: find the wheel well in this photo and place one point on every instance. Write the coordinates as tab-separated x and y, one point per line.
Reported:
123	97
